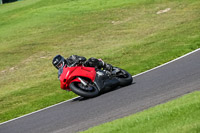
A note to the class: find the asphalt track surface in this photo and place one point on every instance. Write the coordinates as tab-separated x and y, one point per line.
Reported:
151	88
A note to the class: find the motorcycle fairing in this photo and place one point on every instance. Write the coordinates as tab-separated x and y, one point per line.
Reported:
70	74
104	82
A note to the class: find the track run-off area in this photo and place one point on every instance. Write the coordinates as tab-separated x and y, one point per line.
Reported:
155	86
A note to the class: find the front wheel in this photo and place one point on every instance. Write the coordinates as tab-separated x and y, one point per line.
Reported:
88	91
123	76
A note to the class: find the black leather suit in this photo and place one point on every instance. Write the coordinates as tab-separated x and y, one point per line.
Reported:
91	62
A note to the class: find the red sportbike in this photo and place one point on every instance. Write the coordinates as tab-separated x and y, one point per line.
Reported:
90	82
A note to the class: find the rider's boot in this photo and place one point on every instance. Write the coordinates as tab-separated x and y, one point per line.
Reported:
98	63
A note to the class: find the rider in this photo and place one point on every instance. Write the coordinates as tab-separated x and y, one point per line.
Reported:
59	62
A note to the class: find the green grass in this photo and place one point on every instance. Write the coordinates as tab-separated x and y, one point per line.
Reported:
126	33
178	116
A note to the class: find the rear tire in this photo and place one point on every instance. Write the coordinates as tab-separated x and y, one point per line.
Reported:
76	88
125	79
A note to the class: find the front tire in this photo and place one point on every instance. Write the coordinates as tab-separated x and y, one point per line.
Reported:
78	88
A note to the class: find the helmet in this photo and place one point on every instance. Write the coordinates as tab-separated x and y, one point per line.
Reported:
58	61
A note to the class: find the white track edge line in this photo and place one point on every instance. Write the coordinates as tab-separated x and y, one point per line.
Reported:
167	62
38	110
79	96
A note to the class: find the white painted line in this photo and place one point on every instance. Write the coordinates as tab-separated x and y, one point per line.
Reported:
167	62
39	110
79	96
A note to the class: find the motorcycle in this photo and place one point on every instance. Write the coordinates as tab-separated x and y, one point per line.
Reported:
89	82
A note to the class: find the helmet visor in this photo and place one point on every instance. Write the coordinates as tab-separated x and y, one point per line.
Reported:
59	65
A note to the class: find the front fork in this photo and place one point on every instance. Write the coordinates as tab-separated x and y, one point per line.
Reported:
82	81
87	85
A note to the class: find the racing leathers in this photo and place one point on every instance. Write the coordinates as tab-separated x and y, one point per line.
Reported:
91	62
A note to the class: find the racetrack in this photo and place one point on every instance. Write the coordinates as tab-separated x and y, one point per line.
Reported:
151	88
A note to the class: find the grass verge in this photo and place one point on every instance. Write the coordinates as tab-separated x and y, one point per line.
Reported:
179	115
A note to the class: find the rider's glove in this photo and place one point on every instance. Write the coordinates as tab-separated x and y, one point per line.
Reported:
82	59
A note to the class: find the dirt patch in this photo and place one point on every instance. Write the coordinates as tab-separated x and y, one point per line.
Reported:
3	71
10	69
163	11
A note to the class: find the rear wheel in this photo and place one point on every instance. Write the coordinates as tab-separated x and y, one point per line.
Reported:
88	91
123	76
